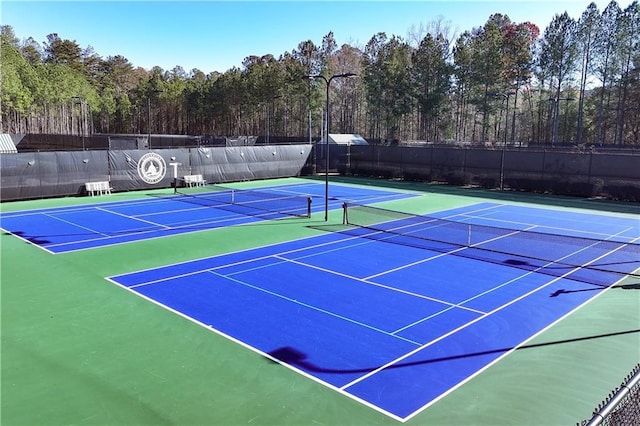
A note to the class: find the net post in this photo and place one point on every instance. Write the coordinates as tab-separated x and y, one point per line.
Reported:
309	201
345	215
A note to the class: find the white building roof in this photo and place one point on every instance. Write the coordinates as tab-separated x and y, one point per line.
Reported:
6	144
346	139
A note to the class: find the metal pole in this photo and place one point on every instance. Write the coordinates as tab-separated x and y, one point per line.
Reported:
83	123
506	121
326	170
505	98
554	138
502	170
73	107
267	122
504	145
326	136
513	123
314	147
149	122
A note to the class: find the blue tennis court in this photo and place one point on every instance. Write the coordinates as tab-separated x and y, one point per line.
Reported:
67	229
398	312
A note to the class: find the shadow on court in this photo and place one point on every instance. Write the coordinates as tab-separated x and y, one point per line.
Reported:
37	240
296	358
595	273
631	286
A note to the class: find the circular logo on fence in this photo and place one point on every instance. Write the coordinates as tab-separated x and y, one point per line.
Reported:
151	168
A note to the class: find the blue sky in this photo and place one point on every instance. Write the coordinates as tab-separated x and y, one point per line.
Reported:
217	35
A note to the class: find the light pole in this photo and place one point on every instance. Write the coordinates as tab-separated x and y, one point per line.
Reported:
504	96
149	122
326	136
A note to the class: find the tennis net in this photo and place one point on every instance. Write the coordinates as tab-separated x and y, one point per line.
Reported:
579	258
262	203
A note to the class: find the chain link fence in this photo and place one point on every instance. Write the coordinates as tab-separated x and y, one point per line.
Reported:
614	175
622	407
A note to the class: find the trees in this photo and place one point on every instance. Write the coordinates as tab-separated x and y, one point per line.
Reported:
487	48
350	100
115	80
629	54
65	52
431	78
386	78
558	60
605	61
586	38
434	88
15	96
518	45
463	81
489	63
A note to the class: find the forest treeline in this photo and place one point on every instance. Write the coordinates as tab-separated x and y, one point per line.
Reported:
576	82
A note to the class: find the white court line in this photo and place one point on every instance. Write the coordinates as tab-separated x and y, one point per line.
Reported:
588	217
515	279
316	379
76	209
93	231
340	390
397	290
27	241
563	231
157	213
286	189
258	351
145	231
315	308
223	206
380	198
174	226
533	336
49	211
441	254
359	239
133	218
154	199
553	263
240	262
497	309
124	234
210	270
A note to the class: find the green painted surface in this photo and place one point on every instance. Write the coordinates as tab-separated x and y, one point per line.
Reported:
79	350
